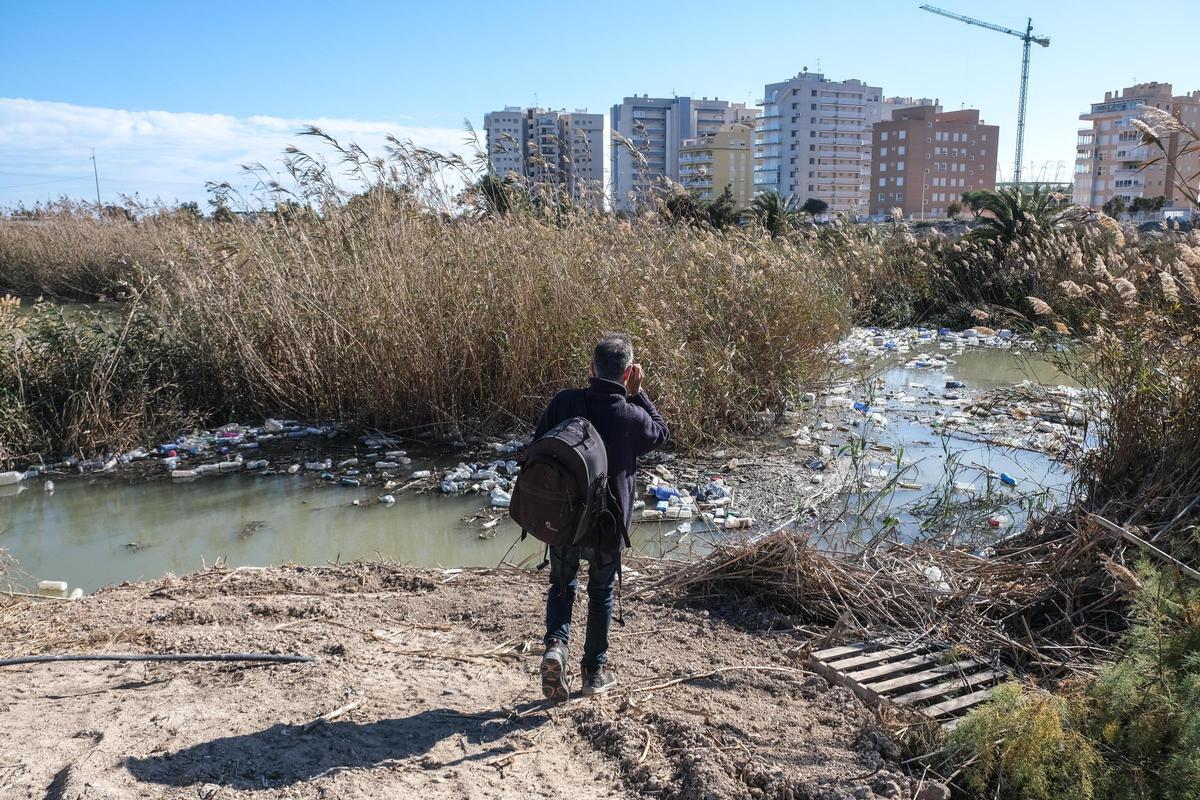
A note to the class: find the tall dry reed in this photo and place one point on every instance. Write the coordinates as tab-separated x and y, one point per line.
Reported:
397	319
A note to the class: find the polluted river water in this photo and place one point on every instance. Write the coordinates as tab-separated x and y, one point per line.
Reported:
91	533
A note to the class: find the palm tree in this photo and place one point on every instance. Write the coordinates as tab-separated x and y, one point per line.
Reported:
1011	212
773	212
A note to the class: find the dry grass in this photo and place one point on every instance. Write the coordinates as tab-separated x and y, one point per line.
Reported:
396	320
64	251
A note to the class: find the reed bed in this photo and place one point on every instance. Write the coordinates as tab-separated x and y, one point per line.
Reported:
399	320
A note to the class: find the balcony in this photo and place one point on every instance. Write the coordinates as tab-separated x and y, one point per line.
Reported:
852	154
849	141
848	116
768	140
769	127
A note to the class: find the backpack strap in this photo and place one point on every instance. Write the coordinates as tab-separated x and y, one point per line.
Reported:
620	588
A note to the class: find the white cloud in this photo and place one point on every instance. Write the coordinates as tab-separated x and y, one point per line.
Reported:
45	148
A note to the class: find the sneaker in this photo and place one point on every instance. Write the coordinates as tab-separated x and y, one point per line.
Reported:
554	684
598	680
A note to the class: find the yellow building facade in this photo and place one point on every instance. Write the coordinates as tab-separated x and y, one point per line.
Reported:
709	163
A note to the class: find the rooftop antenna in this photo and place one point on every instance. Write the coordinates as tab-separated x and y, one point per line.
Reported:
1028	38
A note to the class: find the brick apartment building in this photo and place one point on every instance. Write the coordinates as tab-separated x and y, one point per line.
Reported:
924	159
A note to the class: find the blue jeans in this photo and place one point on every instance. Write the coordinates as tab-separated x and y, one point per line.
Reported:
560	599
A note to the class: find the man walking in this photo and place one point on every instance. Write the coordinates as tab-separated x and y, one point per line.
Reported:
630	426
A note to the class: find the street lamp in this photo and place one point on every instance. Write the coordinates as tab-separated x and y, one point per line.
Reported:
924	186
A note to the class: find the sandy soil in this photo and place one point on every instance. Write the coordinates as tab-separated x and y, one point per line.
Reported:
444	668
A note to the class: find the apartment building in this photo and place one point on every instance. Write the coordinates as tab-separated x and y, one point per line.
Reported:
657	127
553	147
723	158
814	140
893	104
1110	160
924	159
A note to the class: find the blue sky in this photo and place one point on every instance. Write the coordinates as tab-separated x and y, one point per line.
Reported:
171	93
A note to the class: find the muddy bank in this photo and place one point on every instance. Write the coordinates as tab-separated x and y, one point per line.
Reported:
441	668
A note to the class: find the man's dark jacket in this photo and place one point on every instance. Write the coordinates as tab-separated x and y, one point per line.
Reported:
629	426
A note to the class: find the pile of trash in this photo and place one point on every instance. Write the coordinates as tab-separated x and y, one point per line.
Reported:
496	479
1046	419
236	448
234	444
710	502
876	342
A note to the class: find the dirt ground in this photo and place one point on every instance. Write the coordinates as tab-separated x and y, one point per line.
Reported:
441	671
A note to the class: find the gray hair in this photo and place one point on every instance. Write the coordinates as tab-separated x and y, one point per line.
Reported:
614	354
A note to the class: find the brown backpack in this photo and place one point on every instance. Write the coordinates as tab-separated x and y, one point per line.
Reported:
561	493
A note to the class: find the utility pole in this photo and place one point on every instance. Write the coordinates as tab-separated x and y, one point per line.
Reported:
96	175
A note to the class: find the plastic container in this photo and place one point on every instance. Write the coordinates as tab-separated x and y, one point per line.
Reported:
9	478
52	588
421	473
665	492
1007	480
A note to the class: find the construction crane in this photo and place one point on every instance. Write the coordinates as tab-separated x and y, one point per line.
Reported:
1028	38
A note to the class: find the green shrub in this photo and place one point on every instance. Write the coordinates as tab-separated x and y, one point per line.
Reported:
1024	744
88	385
1147	705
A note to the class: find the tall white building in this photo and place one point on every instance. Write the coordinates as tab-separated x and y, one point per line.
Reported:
814	140
656	127
554	147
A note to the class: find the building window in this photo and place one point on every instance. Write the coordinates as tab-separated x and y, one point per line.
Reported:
883	181
903	134
883	167
900	166
900	181
883	136
882	197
